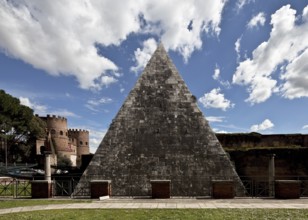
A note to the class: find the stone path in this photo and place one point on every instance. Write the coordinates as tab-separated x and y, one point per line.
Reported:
171	204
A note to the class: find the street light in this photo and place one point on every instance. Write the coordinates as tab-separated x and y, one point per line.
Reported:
5	147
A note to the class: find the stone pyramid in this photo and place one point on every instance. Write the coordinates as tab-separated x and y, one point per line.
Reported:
160	133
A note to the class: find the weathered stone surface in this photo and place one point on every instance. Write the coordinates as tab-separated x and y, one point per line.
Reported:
160	133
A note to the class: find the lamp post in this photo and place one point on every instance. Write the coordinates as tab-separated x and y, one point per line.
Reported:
5	147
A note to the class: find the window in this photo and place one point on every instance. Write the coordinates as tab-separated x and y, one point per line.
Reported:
80	142
61	132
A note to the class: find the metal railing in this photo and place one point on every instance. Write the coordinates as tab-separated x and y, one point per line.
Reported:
255	186
10	187
64	186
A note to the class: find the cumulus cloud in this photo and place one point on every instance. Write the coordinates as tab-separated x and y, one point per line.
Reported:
142	56
57	37
296	77
62	37
265	125
305	127
258	19
180	24
215	99
291	39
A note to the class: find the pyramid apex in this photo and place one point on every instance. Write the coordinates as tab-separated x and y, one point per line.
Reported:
161	47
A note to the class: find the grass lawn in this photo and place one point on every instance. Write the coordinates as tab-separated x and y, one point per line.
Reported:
11	203
162	214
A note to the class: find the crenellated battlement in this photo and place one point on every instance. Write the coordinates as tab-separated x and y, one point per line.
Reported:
79	131
52	117
56	117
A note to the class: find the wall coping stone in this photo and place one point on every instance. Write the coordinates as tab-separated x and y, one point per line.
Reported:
100	181
160	181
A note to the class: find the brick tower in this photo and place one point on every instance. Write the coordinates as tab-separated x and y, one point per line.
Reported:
160	134
80	138
57	126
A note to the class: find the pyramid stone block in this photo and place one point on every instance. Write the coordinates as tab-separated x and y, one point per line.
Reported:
160	133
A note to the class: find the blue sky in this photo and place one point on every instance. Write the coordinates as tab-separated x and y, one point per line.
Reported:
244	60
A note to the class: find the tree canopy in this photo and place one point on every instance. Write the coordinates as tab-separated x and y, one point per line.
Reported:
19	127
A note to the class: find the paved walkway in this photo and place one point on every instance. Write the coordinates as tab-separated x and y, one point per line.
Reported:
247	203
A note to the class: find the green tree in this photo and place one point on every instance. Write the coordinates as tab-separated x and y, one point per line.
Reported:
20	128
63	162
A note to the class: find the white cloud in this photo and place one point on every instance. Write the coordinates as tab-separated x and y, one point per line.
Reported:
216	130
241	3
237	47
60	37
296	77
305	127
64	113
170	19
37	108
265	125
107	80
44	110
96	136
291	39
216	76
258	19
215	118
215	99
216	73
25	102
142	56
93	104
122	89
